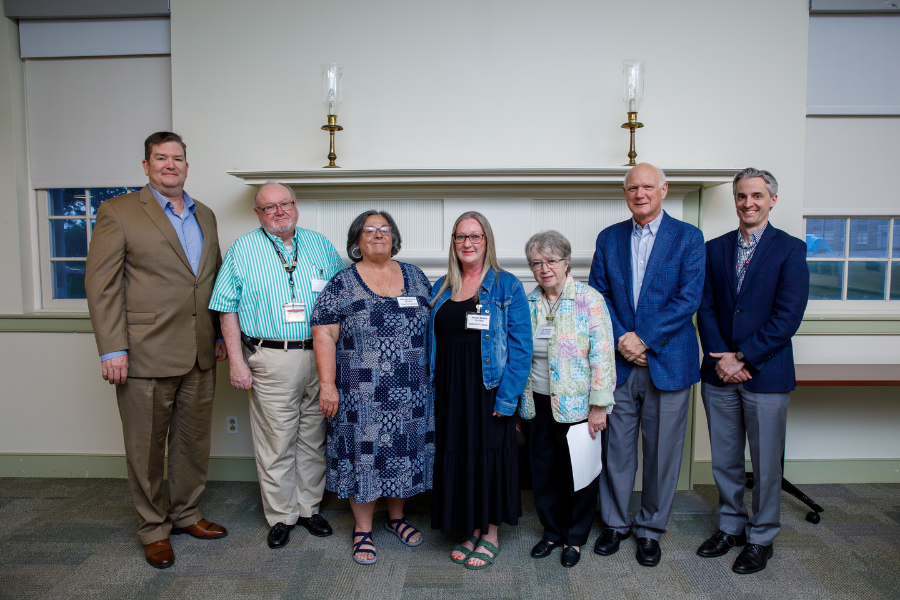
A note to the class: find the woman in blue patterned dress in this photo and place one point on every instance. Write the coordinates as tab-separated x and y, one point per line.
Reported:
370	332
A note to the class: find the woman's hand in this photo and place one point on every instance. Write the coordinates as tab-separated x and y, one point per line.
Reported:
596	420
328	400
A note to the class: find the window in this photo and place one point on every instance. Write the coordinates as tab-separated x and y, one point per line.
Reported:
853	258
67	218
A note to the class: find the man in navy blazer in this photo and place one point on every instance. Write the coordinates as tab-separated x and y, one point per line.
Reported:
757	285
650	270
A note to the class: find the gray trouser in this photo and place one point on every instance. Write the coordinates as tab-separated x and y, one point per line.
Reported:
735	414
661	416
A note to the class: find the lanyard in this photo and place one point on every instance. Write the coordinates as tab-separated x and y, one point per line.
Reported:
289	268
551	313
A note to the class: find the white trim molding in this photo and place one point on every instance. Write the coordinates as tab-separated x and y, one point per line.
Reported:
327	184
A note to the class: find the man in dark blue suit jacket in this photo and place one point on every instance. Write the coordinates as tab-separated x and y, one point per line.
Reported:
757	285
650	270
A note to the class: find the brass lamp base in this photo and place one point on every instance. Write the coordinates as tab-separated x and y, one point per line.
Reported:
331	128
632	124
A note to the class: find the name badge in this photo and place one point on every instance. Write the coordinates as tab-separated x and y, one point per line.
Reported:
294	312
545	332
318	284
407	301
478	321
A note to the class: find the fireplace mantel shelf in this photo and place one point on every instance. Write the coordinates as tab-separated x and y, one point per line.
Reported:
521	182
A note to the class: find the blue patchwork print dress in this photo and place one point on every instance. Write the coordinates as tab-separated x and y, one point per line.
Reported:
381	443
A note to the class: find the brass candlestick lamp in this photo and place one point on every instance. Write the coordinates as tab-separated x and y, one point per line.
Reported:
633	92
331	96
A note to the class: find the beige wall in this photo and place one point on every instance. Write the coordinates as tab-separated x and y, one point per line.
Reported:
427	84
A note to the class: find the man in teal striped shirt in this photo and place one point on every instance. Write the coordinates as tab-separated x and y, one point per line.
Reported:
266	288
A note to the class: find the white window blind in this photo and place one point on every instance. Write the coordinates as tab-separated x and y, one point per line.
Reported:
854	65
88	118
94	37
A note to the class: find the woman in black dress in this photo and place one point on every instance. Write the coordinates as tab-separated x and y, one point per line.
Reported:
480	359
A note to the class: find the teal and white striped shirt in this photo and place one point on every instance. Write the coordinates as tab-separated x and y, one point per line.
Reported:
253	283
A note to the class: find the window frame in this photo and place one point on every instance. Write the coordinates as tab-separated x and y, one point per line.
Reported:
855	307
47	303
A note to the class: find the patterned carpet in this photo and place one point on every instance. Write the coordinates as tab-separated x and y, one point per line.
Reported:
75	538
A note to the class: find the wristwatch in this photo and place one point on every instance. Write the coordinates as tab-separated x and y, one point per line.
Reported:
609	409
740	356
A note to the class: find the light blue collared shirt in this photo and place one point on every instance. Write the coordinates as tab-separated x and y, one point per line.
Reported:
642	239
189	234
186	226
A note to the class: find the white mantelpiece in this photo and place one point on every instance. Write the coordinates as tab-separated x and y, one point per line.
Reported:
518	202
468	183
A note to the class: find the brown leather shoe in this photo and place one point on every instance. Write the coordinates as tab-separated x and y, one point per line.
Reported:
202	529
159	554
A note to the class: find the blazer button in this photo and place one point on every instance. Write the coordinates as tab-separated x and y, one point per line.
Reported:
194	314
487	337
488	361
737	312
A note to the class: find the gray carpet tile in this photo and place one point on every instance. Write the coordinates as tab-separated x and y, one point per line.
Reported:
75	538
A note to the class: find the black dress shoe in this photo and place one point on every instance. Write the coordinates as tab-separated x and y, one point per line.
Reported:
316	525
279	535
752	559
608	542
648	552
543	549
720	543
570	557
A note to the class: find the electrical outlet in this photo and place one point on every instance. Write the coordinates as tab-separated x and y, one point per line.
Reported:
232	423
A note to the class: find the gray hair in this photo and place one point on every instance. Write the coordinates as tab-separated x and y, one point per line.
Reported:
549	243
751	172
662	174
273	182
356	228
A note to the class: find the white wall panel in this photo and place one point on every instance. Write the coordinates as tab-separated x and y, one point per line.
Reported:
421	222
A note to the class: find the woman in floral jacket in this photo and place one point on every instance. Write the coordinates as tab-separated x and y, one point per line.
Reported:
573	375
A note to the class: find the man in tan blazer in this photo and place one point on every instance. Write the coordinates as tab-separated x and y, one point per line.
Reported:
151	267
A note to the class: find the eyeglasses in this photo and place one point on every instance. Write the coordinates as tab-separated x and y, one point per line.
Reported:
271	209
384	229
537	265
475	238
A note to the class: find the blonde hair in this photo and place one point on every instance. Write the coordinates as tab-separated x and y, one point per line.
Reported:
454	277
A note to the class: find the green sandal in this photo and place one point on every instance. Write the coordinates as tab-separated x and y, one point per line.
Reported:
464	550
488	560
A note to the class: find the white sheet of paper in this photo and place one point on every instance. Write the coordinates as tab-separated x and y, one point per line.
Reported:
407	301
586	454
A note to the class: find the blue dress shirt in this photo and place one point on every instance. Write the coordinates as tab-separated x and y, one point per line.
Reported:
189	234
642	239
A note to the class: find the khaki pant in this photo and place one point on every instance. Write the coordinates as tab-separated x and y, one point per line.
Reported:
151	409
288	432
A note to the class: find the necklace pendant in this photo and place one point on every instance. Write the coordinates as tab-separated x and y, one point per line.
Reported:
549	318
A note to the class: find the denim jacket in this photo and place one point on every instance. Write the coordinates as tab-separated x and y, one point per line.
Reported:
506	346
581	354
